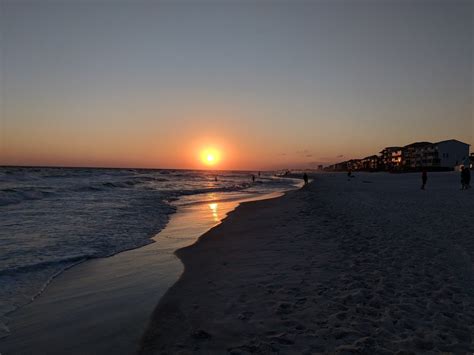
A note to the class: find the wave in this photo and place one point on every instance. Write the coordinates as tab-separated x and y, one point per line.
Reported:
230	188
11	196
42	265
133	182
59	266
151	178
88	188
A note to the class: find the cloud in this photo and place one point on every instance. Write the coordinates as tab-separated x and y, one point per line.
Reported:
330	158
304	151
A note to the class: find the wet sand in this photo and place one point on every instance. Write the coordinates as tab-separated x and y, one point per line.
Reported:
365	265
103	306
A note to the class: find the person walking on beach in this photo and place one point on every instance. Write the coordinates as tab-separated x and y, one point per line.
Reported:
305	178
465	178
424	178
253	178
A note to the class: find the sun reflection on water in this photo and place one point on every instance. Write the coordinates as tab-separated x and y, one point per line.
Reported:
213	207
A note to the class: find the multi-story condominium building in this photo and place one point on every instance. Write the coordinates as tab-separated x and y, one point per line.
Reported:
391	158
442	155
415	155
371	162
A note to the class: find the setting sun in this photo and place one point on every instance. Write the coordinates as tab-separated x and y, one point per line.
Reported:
210	156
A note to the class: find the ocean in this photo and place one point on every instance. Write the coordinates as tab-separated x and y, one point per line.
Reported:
54	218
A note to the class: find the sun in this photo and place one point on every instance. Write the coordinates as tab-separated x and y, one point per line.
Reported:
210	156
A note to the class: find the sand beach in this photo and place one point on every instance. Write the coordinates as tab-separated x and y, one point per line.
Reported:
370	264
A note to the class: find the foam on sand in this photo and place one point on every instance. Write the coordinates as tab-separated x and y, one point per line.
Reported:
339	266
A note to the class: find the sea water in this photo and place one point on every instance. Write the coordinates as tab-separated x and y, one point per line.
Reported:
54	218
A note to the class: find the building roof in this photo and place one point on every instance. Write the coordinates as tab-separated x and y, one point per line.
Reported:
390	148
371	157
452	140
418	144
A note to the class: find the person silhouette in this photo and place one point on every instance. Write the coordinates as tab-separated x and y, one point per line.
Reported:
465	178
424	178
305	178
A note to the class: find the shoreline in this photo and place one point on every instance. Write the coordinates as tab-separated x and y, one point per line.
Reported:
340	266
166	308
75	291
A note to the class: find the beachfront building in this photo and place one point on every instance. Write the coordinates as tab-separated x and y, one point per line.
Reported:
451	153
391	158
371	163
344	166
417	155
341	166
443	155
354	164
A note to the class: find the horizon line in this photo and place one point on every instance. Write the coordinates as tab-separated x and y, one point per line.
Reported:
130	168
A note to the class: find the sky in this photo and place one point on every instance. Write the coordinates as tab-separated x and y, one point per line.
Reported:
268	84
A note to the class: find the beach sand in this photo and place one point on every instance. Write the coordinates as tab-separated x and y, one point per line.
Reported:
371	264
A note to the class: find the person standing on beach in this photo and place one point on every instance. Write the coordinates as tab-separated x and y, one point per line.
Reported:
424	178
305	178
465	178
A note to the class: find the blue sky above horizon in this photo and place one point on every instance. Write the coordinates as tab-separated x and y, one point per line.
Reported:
272	84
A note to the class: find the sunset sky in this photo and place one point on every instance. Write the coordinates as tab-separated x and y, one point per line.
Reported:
267	84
